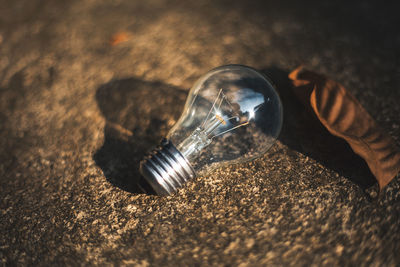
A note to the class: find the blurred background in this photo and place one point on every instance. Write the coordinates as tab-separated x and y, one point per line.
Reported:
87	87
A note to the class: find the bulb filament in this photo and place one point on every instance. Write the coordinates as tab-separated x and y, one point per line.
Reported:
222	113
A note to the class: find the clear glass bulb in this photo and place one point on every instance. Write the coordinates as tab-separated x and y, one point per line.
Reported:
232	114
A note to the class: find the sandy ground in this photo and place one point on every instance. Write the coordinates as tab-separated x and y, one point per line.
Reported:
77	115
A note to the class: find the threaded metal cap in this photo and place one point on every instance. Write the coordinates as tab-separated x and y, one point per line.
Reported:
166	169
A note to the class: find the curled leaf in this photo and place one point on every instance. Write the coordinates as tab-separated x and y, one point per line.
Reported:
343	116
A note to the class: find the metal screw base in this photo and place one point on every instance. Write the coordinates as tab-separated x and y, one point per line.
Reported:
166	169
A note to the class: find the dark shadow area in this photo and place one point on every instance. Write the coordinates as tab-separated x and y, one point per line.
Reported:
138	114
301	131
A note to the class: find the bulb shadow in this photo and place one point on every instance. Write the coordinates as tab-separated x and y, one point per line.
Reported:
138	114
301	131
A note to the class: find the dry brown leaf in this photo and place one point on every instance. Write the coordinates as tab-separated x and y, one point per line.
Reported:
119	38
345	117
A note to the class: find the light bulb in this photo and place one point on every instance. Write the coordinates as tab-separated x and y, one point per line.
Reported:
232	114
